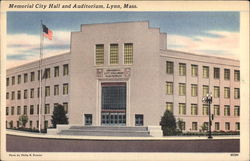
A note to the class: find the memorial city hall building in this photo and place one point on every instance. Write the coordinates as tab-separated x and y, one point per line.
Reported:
122	74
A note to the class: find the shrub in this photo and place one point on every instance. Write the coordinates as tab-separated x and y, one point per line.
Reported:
168	124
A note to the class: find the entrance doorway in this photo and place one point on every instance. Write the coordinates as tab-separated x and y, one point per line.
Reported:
113	104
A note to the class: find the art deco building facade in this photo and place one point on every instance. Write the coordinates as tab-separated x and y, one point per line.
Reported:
122	74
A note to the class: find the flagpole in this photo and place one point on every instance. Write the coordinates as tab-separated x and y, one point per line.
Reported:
40	80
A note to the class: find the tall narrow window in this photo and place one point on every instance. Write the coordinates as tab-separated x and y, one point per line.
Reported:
47	91
99	54
217	126
205	109
7	110
38	92
65	106
47	109
65	88
194	126
25	94
56	90
66	69
194	109
227	74
227	126
237	126
216	91
169	88
114	54
56	71
18	95
169	106
13	80
19	79
31	109
182	108
138	120
236	110
205	72
7	81
32	93
25	110
12	95
216	73
216	110
37	109
182	69
18	110
194	70
7	95
128	53
46	73
25	78
32	76
205	90
236	75
226	110
88	119
236	93
226	92
194	90
12	110
169	67
182	89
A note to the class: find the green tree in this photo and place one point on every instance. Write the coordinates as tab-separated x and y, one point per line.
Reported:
168	123
23	119
59	116
203	127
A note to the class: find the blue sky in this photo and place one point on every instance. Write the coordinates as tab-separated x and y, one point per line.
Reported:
213	33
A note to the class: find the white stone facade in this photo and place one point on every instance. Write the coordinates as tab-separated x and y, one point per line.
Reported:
144	80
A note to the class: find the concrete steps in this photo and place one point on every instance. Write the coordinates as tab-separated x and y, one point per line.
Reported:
106	131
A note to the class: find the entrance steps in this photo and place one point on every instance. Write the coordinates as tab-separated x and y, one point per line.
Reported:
106	131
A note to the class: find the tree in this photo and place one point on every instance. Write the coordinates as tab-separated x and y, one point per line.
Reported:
204	127
23	119
180	124
59	116
168	123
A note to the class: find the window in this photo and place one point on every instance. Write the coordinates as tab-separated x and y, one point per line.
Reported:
182	108
37	124
99	54
17	124
32	92
182	69
25	78
227	126
169	67
13	80
169	106
32	76
236	110
19	79
7	81
194	125
18	95
236	93
138	120
169	86
114	55
39	74
56	90
47	91
12	110
205	125
205	90
46	124
88	119
12	95
194	109
182	125
37	109
216	110
128	53
47	109
18	110
226	110
217	126
65	89
205	109
205	72
216	92
7	110
38	92
25	110
46	73
194	90
194	70
216	73
7	95
65	106
227	74
65	69
25	94
236	75
56	71
31	109
182	89
226	92
237	126
30	124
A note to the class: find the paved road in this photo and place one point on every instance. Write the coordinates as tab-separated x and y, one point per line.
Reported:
28	144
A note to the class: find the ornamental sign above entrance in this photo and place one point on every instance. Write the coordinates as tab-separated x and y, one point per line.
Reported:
113	73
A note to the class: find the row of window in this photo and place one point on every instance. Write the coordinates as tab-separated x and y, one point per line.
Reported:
31	110
18	124
205	108
65	91
114	54
45	75
205	71
205	124
205	88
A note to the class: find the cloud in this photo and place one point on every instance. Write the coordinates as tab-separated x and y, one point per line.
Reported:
23	48
225	44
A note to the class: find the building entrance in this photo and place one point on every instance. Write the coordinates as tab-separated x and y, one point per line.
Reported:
113	104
